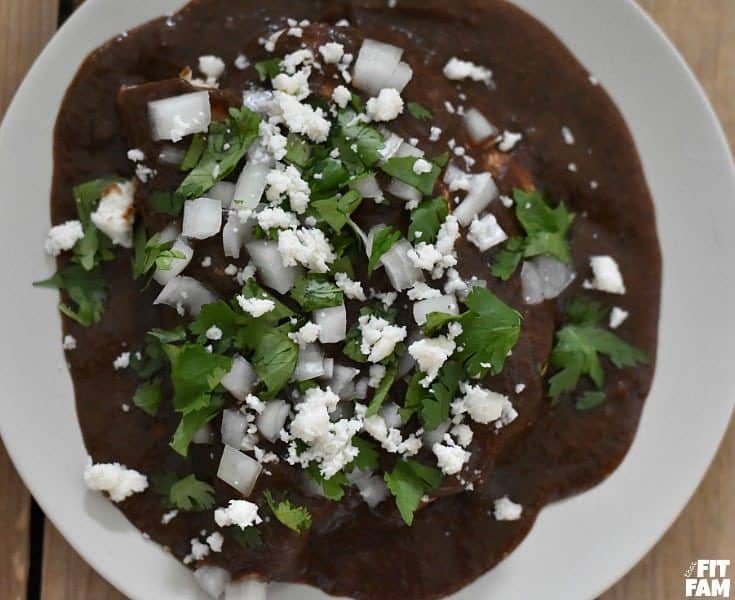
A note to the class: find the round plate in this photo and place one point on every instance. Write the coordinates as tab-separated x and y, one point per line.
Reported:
578	547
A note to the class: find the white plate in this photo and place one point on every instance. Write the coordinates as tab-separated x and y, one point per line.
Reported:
578	547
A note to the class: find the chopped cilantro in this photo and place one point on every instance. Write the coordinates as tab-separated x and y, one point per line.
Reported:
298	150
166	203
409	481
274	360
314	291
194	153
589	400
192	422
294	517
383	240
327	176
419	112
191	495
86	289
332	488
336	211
367	458
382	390
433	404
268	69
426	220
151	253
584	311
148	397
246	538
195	373
508	259
95	247
401	167
358	138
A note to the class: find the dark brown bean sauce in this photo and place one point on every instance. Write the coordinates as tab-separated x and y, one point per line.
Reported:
549	452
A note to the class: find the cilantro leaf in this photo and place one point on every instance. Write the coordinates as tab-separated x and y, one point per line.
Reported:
268	69
227	143
590	400
148	397
327	176
86	289
274	360
195	373
435	408
294	517
437	320
95	246
191	495
508	259
366	140
332	488
193	421
367	458
335	211
246	538
151	253
419	112
426	220
314	291
401	167
490	329
381	393
194	153
251	289
409	481
166	203
546	227
584	311
298	150
383	240
577	351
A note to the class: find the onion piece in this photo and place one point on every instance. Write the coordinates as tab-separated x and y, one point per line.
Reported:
342	377
392	143
332	323
401	272
444	304
375	65
360	391
252	180
169	233
367	187
249	589
544	278
457	179
478	126
177	264
272	419
176	117
224	191
238	470
310	364
241	378
203	435
328	368
258	100
406	149
171	155
234	425
202	218
482	192
213	580
402	190
185	293
402	74
236	233
371	487
390	415
435	435
267	259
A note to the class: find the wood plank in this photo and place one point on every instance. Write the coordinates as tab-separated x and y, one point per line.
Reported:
25	26
704	32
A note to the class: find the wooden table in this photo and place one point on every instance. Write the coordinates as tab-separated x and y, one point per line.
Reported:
36	562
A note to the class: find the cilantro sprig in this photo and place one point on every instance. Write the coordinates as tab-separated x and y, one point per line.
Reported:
409	481
296	518
188	494
87	289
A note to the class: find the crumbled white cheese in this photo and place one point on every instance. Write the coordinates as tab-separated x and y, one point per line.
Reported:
509	140
63	237
390	438
240	513
296	85
568	136
463	434
136	155
505	509
618	317
377	372
520	387
256	307
387	298
379	337
483	405
122	361
341	96
115	479
307	334
431	354
486	233
450	457
69	342
272	140
507	201
215	541
294	60
455	284
457	69
241	62
305	246
422	291
214	333
212	67
437	257
277	218
606	275
386	106
352	289
287	181
422	166
270	42
434	134
199	551
207	262
166	518
115	213
302	118
332	52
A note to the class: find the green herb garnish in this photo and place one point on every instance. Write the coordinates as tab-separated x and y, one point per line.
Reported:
383	241
409	481
314	291
296	518
426	220
419	112
87	289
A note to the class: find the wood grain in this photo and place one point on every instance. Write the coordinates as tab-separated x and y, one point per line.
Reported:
704	30
25	26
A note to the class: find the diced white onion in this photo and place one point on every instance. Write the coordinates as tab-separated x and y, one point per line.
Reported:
169	233
444	304
258	100
241	378
436	435
341	378
272	419
238	470
478	126
171	155
185	293
177	264
332	324
203	435
402	190
249	589
390	415
392	143
367	187
252	180
402	74
202	218
234	424
361	389
224	191
267	259
213	580
328	368
310	364
375	66
175	118
401	272
544	278
236	233
482	192
372	488
406	149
